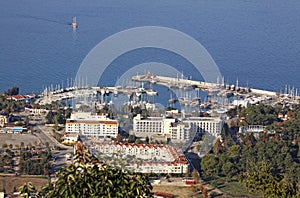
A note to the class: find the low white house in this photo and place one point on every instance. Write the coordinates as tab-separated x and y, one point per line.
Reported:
70	138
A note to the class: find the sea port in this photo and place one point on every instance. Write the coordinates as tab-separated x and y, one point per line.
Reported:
252	95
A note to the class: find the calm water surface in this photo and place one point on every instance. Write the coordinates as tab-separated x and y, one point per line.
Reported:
255	41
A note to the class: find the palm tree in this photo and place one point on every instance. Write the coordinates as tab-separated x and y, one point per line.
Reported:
22	145
26	190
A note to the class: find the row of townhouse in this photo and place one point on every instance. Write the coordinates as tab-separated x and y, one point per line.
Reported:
91	126
155	158
36	111
27	98
161	167
176	129
141	151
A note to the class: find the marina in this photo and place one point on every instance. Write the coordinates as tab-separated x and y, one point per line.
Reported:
183	91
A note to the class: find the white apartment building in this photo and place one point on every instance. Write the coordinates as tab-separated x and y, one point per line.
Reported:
211	125
148	125
154	158
177	130
180	131
151	125
91	126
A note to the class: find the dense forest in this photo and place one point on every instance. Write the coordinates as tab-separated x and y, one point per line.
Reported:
266	163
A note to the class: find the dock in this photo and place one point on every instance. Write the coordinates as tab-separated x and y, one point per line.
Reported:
205	86
52	95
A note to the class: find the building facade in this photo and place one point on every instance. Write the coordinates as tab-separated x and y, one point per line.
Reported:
201	125
152	158
180	131
176	129
91	126
3	120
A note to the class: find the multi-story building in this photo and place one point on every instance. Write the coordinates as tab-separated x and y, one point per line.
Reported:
91	126
211	125
148	125
152	158
151	125
175	129
180	131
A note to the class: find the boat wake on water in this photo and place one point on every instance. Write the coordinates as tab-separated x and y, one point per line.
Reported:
44	19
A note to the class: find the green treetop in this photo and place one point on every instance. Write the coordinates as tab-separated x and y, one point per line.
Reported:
87	177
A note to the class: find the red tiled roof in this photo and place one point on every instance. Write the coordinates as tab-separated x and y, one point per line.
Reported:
163	194
18	97
92	121
37	151
178	158
31	95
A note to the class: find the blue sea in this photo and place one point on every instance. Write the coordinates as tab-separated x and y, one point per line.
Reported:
256	42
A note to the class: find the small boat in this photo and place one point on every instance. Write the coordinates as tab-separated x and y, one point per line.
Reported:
172	100
74	23
151	92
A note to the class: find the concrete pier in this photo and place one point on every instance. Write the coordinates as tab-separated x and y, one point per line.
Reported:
206	86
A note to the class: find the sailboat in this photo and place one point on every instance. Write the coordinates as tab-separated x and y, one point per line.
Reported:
74	23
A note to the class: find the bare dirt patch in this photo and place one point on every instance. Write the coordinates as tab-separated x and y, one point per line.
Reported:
177	191
16	139
8	183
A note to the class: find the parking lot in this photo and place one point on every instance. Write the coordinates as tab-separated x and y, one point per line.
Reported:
16	139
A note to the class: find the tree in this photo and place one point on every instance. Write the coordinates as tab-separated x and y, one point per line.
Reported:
262	179
209	165
205	192
201	187
26	190
250	140
87	177
119	138
131	138
26	121
228	169
217	147
145	113
22	144
227	136
234	151
138	141
291	115
195	176
147	140
13	91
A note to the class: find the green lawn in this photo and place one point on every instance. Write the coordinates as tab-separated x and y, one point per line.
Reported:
232	188
236	189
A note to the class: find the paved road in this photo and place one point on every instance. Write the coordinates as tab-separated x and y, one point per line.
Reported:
44	134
